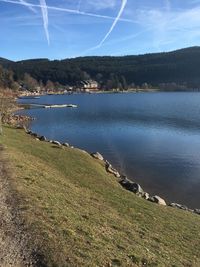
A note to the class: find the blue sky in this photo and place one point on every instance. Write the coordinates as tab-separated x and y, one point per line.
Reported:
58	29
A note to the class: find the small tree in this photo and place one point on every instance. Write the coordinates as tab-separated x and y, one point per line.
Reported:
7	104
49	86
30	83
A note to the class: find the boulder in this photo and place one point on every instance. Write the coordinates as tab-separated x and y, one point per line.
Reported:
25	129
145	195
117	174
66	144
179	206
97	155
158	200
137	189
33	134
19	127
107	163
175	205
43	138
111	170
56	143
197	211
133	187
124	181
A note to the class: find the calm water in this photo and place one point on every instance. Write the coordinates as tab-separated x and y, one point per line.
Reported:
153	138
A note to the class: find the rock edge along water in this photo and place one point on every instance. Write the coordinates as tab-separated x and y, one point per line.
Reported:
123	180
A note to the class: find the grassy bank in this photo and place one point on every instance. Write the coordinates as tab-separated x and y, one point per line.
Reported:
80	216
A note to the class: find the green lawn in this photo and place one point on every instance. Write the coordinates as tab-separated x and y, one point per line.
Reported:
79	215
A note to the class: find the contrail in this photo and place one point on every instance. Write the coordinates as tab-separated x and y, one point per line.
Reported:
124	2
133	36
79	5
26	4
45	18
72	11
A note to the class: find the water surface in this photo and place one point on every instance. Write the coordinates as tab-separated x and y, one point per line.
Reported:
153	138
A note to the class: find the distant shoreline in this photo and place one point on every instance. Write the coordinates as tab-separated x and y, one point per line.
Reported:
153	90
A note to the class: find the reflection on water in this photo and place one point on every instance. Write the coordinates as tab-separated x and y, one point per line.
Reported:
153	138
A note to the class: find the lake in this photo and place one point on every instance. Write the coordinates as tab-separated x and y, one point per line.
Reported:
153	138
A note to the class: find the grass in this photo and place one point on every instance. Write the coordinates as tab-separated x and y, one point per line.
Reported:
78	215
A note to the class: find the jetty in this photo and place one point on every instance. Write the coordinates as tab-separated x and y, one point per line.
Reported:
61	106
29	97
30	105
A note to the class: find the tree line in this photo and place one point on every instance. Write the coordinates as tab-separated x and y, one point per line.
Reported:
177	70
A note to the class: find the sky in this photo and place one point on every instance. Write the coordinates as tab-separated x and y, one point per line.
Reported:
58	29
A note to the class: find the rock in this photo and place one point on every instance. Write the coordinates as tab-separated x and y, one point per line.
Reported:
97	155
25	129
111	170
137	189
117	174
175	205
56	143
107	163
66	144
33	134
197	211
124	181
131	186
83	151
43	138
145	195
179	206
19	127
158	200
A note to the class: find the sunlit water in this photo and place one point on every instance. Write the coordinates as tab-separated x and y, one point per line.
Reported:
153	138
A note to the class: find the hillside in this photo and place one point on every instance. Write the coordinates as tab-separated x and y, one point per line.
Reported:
78	215
172	70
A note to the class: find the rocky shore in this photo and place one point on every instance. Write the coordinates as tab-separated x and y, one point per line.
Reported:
122	179
18	120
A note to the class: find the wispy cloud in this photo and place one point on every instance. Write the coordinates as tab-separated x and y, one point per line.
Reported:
45	18
172	26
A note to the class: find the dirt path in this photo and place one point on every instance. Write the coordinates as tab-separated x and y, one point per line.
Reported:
13	240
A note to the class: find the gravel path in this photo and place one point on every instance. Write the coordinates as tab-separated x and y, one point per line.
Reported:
13	240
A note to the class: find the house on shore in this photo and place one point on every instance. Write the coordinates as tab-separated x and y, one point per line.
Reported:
89	86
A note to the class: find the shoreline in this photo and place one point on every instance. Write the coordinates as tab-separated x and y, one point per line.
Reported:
69	203
122	179
125	182
30	95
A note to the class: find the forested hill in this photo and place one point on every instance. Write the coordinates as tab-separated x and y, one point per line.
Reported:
179	68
